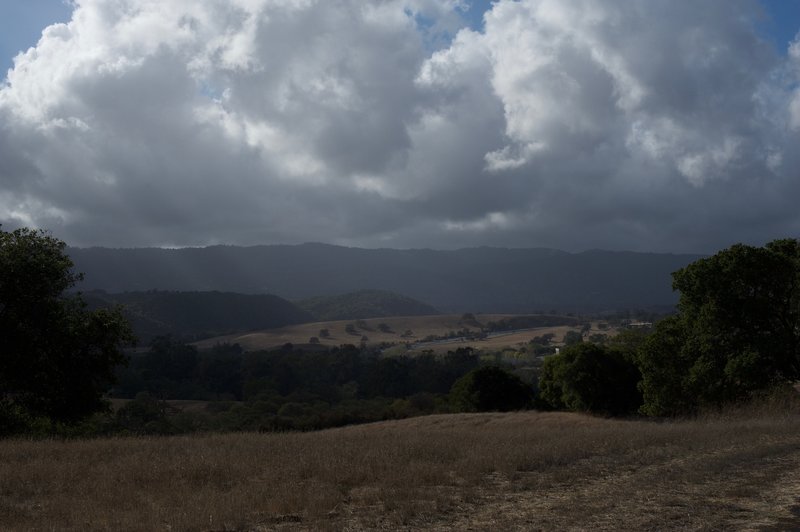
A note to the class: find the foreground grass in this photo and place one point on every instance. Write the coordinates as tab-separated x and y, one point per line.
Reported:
473	471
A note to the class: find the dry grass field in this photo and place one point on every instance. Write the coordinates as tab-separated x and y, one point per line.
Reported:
497	343
518	471
421	326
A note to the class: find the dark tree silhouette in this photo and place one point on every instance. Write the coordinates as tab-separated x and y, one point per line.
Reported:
57	358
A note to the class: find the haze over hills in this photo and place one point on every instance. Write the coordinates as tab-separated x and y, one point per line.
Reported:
195	315
475	279
190	316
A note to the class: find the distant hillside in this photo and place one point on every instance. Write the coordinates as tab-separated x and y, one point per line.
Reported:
364	304
488	280
195	315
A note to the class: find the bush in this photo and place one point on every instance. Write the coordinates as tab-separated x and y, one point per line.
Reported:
572	338
490	389
144	415
591	378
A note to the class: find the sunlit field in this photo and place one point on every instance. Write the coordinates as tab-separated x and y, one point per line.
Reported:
419	326
519	471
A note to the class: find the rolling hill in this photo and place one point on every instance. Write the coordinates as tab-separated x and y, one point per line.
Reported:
196	315
413	330
193	316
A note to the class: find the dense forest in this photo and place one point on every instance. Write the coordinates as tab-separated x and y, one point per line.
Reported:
281	389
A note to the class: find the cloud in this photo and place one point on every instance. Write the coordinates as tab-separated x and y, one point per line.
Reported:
641	124
794	66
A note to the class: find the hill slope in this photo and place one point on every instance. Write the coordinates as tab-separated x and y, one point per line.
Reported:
364	304
406	329
520	471
488	280
195	315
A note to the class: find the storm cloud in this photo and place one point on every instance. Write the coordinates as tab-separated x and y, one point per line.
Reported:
627	124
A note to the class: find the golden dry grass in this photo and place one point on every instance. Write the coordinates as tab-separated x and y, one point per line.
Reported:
519	471
498	343
421	326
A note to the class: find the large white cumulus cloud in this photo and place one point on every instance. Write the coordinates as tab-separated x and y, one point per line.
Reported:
641	124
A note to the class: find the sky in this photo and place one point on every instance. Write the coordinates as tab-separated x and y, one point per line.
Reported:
644	125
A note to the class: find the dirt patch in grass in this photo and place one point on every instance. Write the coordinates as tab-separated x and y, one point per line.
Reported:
519	471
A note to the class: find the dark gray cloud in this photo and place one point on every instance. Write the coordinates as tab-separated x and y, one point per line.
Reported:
636	124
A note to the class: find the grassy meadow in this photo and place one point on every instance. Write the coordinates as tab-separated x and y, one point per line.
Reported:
420	326
515	471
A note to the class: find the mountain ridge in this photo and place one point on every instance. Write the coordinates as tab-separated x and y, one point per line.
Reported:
485	279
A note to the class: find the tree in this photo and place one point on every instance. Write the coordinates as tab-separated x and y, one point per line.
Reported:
591	378
144	415
490	389
665	366
598	338
170	359
572	338
737	330
56	357
544	339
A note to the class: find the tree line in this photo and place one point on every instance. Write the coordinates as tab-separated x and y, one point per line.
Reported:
290	388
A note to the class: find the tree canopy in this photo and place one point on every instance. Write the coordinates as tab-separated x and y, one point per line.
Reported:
56	357
490	388
587	377
737	330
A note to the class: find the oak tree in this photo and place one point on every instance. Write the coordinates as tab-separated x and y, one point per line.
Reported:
57	358
737	330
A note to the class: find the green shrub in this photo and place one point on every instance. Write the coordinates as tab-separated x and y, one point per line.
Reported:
590	378
490	389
